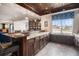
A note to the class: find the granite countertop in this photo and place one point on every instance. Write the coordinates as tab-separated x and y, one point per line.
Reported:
36	34
31	35
15	35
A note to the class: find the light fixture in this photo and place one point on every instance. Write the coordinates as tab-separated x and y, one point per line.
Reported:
46	8
35	20
26	17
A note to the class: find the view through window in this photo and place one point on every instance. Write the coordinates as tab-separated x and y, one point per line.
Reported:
62	25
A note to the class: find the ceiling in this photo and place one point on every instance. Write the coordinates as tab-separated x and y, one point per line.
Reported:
47	8
12	12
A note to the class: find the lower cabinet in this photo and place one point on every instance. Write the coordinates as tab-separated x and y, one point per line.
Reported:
41	42
30	47
47	39
44	40
36	44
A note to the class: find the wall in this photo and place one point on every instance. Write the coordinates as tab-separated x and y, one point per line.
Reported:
21	25
76	22
48	19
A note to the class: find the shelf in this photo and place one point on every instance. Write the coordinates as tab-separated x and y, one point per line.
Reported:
34	25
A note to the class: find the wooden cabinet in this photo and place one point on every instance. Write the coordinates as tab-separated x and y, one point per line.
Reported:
47	39
31	47
34	25
41	42
44	40
36	45
22	46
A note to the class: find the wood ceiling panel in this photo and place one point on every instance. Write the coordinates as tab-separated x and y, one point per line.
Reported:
46	8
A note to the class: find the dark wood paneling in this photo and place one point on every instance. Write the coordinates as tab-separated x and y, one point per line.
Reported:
22	44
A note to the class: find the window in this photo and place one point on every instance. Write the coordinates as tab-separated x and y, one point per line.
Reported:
63	23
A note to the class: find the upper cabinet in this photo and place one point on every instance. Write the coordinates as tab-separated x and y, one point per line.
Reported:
34	25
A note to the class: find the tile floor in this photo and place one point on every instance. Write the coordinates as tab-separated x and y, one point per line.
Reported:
55	49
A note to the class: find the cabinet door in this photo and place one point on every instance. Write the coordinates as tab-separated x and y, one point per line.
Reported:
36	45
41	43
47	39
43	40
31	47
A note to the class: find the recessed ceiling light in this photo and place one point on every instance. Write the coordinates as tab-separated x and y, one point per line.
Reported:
26	17
46	8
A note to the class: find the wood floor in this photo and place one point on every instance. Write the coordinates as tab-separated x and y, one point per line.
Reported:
55	49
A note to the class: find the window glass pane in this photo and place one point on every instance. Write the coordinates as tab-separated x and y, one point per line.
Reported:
56	26
63	23
67	25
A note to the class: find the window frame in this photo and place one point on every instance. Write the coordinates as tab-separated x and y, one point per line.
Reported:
61	32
